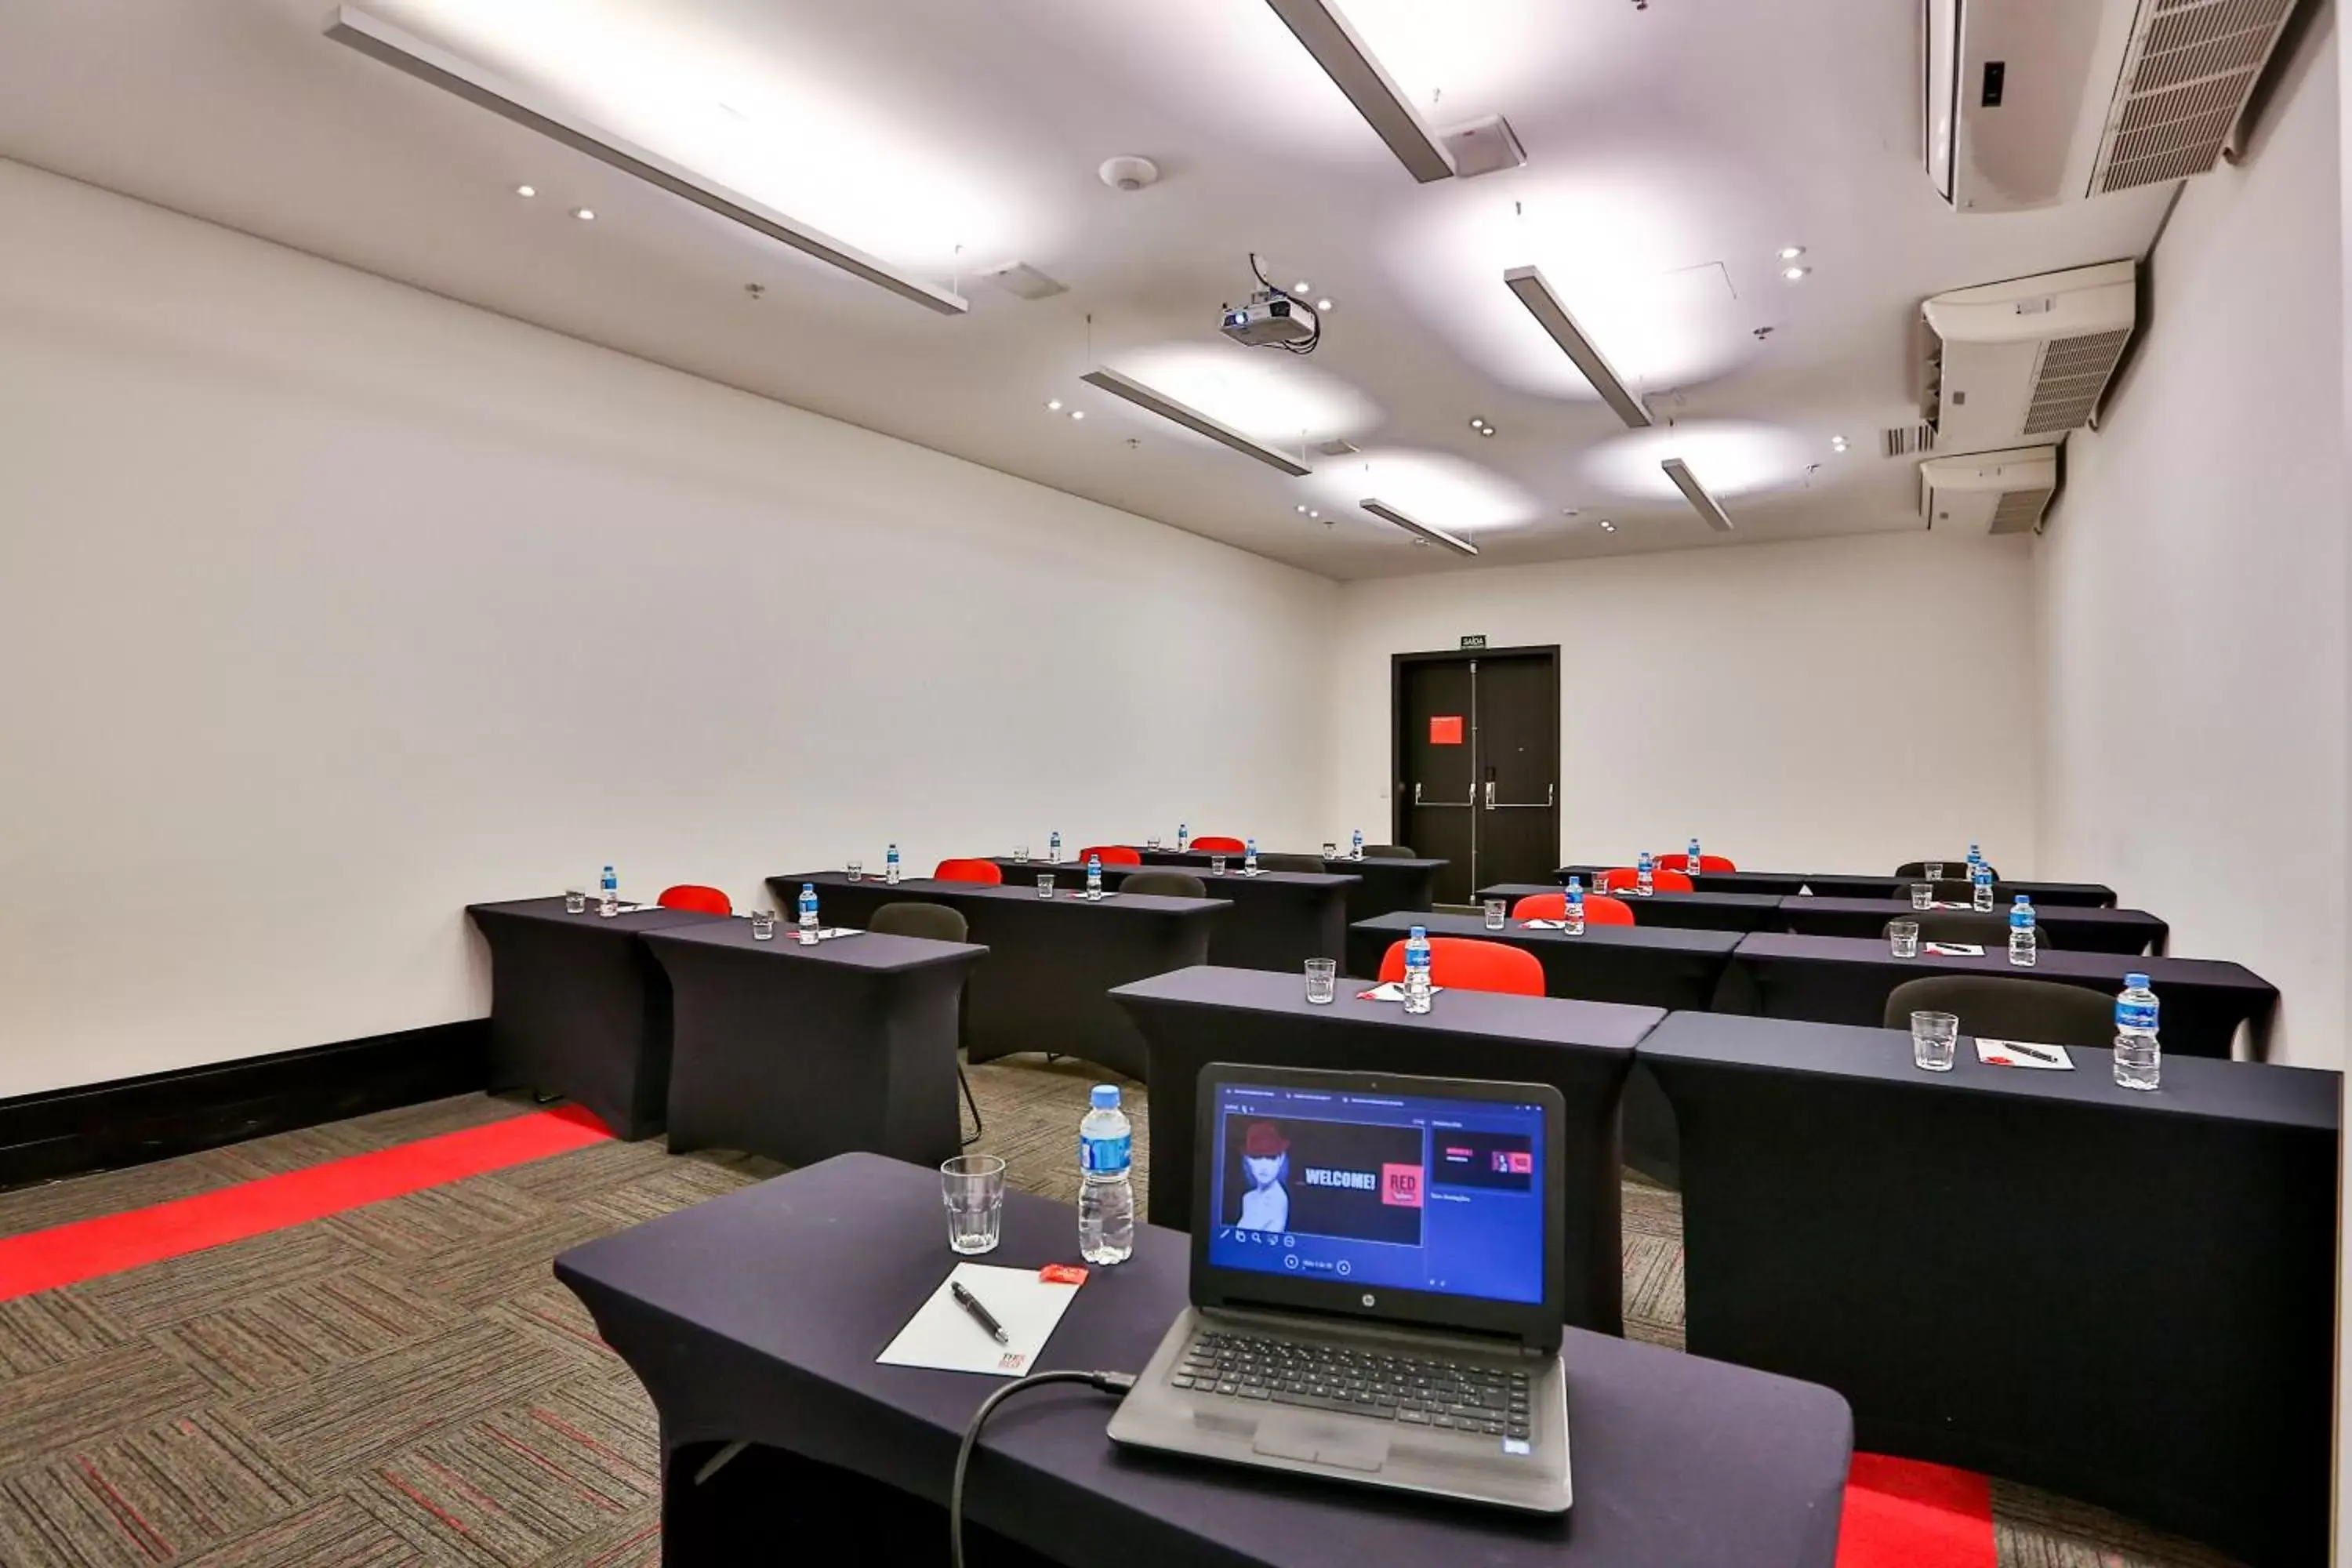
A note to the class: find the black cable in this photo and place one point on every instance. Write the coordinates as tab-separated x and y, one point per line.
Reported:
1101	1382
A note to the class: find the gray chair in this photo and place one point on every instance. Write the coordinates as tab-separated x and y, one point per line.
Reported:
1310	864
1919	868
934	922
2009	1008
1989	931
1390	851
1168	884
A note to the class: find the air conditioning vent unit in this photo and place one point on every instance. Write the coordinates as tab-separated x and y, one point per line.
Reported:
1991	492
2032	103
2009	361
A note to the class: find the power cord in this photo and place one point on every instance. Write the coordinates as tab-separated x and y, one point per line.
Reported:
1101	1382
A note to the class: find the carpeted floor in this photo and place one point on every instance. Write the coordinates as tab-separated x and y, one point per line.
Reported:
403	1383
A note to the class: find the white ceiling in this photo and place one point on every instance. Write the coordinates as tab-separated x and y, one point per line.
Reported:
1671	151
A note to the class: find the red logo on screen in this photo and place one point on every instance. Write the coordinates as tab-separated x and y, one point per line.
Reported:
1400	1186
1514	1163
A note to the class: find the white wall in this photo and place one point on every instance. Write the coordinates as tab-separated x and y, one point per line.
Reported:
1782	701
2192	585
327	606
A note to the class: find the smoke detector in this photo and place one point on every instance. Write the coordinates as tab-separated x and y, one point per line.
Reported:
1128	174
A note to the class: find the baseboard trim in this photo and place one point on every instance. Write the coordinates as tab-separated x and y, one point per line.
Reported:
132	1121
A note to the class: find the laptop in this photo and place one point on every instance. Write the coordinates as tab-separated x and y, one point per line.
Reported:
1376	1286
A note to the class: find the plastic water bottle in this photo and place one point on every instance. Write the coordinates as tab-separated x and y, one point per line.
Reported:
1416	970
1094	876
1105	1195
1643	874
1054	849
808	914
1690	862
1574	902
2020	933
608	893
1356	850
2139	1060
1980	888
1249	855
1183	837
890	866
1976	860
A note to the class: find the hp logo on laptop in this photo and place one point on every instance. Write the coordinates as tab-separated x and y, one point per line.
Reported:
1367	1298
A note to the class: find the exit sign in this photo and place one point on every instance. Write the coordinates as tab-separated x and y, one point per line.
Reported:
1474	642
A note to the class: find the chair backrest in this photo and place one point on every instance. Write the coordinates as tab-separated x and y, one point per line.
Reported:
1311	863
1989	931
2009	1008
1112	855
1956	863
936	922
1166	885
1680	861
1213	843
1465	963
695	896
1600	909
966	871
1391	852
1620	879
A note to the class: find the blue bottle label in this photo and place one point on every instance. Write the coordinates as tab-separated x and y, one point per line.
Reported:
1104	1156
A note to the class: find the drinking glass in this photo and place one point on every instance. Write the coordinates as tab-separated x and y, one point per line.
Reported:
1933	870
1216	865
1330	850
575	902
1495	911
1020	851
857	870
1922	895
1151	841
1322	975
972	1187
1935	1039
763	925
1902	936
1045	886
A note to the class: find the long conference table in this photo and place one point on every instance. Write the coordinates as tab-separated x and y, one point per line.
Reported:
1196	1016
1051	963
1841	885
2126	1298
1279	919
1384	884
2089	928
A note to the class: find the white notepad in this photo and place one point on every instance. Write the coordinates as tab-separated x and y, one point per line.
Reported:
944	1336
2023	1054
1389	991
1954	948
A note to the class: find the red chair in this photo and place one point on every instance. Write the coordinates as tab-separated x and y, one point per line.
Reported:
695	896
1600	909
1219	846
1624	878
1112	855
987	871
1681	862
1465	963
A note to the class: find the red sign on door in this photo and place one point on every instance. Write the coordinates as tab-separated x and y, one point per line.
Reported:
1446	728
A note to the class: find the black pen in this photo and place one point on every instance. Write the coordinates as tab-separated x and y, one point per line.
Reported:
980	1314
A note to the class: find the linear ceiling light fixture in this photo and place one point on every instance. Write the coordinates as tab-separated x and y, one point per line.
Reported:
1357	75
1167	407
1552	316
406	52
1696	493
1388	513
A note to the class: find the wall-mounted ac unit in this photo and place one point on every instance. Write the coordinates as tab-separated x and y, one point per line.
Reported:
2031	102
1990	492
2009	361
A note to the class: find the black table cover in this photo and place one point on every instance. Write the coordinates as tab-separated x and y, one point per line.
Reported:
1646	966
1279	918
1845	980
1196	1016
579	1008
2075	927
1840	885
756	1316
1051	963
802	1053
1384	884
1684	912
2126	1298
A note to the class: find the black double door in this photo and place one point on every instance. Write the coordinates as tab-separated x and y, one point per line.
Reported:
1477	764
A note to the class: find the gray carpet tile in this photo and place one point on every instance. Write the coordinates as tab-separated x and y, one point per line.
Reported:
40	1206
179	1288
52	1326
436	1219
287	1336
159	1492
304	1147
336	1532
90	1397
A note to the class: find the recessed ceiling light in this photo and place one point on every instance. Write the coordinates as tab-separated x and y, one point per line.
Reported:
1607	526
1322	304
1794	273
586	214
526	190
1300	511
1791	252
1077	413
1302	287
1486	429
1312	512
1837	442
1054	404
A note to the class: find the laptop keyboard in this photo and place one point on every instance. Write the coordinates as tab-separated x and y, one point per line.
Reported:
1448	1396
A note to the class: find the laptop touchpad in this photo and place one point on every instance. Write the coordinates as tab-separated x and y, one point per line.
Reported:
1326	1445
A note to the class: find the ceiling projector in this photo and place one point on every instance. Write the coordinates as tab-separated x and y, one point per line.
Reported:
1271	319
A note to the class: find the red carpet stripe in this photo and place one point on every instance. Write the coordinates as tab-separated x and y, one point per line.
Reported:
1900	1513
68	1253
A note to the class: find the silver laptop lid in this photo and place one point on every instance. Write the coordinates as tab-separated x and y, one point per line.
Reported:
1418	1200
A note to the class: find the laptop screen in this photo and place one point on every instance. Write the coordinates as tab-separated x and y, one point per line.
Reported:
1394	1191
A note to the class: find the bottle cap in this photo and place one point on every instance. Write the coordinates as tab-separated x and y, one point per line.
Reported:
2023	900
2135	981
808	886
1106	1097
1420	932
